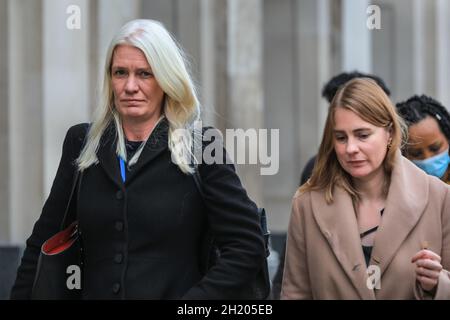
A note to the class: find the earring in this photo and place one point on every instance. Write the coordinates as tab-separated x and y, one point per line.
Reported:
389	144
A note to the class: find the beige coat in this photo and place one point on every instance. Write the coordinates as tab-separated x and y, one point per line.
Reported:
324	258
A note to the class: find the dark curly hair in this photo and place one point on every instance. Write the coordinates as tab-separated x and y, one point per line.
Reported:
335	83
417	108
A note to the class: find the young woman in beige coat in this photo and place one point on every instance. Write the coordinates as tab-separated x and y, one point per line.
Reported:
368	224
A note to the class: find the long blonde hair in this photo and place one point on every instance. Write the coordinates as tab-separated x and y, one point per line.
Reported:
181	105
366	99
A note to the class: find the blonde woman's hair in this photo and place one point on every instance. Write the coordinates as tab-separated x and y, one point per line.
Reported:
169	66
367	100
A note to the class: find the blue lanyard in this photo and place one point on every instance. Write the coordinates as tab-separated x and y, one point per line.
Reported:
122	169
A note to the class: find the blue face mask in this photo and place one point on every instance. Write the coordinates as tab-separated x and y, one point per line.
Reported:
435	166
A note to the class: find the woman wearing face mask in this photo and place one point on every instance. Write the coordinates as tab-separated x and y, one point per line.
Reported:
368	224
429	135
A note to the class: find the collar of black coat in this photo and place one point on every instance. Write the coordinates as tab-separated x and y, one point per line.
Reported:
107	157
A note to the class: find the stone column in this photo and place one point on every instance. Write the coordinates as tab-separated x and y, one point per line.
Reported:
297	62
403	36
356	37
66	76
314	70
163	11
443	52
424	30
221	84
94	56
25	126
207	61
324	55
383	45
112	14
209	56
246	103
189	32
4	125
419	42
280	80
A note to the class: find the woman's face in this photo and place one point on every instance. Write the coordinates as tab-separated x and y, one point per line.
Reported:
360	146
425	140
137	94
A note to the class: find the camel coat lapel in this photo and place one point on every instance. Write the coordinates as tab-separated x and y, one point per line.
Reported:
402	212
338	224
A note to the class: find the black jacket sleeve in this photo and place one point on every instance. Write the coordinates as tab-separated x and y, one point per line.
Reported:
52	213
234	222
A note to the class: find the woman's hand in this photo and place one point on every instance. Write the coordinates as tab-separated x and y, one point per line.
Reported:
428	268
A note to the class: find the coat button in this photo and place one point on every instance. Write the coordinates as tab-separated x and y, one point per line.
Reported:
116	288
118	258
119	195
119	225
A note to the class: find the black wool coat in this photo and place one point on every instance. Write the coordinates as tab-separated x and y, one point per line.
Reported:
142	238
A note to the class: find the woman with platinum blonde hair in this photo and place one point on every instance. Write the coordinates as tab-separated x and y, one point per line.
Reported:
141	218
368	224
180	104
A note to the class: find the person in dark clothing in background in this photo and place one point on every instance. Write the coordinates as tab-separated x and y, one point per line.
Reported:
328	92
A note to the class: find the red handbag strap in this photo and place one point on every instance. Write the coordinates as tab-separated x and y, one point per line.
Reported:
78	175
76	182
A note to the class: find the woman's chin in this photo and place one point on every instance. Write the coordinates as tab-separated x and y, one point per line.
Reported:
358	172
133	114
